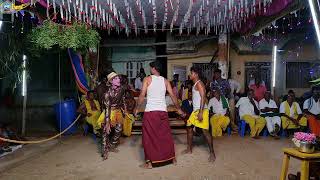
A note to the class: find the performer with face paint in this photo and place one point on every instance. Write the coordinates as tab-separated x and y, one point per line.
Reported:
115	108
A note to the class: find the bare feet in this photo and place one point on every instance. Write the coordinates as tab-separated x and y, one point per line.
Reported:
187	151
212	158
256	137
146	165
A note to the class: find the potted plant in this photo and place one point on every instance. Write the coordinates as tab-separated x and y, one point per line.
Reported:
305	142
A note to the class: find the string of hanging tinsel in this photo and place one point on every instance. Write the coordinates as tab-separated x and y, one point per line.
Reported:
216	16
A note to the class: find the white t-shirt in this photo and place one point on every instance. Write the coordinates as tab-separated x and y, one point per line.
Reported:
263	104
138	83
245	106
283	109
217	107
312	106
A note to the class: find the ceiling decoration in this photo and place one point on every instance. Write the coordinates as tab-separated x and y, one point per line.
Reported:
132	16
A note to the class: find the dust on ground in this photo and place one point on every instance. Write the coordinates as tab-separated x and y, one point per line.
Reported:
78	158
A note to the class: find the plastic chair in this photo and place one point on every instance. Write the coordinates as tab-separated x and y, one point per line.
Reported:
242	129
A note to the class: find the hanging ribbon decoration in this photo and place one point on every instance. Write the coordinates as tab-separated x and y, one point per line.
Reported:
210	16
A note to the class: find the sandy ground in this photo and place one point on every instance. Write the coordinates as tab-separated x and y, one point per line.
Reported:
77	157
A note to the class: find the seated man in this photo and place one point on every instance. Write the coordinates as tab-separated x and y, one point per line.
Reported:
91	109
269	110
249	112
187	104
311	108
219	107
291	114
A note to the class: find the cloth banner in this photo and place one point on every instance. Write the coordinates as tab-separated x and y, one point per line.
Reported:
77	66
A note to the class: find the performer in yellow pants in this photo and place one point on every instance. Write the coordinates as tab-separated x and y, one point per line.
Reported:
193	119
256	124
219	123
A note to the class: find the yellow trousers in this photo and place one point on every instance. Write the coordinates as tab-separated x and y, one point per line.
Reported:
219	123
127	124
256	124
288	124
93	120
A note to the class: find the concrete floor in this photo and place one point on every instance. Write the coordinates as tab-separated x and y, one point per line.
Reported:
76	157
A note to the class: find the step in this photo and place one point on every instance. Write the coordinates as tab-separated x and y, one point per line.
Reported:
174	131
171	122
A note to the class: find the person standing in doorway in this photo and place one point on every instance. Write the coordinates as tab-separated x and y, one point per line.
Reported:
200	115
138	82
156	132
259	89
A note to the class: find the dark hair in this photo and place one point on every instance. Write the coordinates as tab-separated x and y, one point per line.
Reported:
217	71
176	75
196	70
156	65
290	91
315	88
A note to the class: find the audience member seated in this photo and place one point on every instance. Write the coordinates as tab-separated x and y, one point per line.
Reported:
219	108
259	89
187	105
185	90
249	112
291	114
269	110
311	109
90	108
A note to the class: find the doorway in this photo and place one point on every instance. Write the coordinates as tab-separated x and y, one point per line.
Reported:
263	69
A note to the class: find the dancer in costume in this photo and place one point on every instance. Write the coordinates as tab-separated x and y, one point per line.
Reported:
156	132
115	108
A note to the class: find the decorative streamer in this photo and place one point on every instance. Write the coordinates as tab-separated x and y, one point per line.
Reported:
61	12
48	6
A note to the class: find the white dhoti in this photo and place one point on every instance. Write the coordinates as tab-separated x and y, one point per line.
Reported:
272	121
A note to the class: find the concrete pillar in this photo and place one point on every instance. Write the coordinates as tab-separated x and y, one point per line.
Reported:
223	54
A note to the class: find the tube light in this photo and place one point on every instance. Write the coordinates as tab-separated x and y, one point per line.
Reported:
314	18
1	23
24	78
274	64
